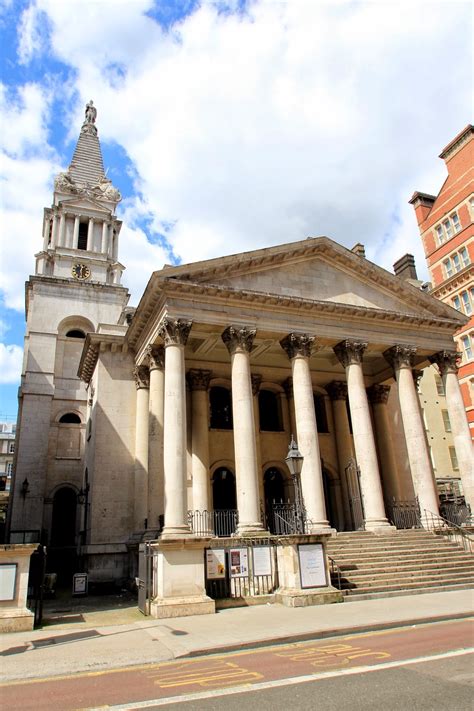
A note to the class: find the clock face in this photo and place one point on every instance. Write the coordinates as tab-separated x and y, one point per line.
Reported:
81	271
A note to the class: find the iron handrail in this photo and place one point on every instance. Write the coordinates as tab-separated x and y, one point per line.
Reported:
436	522
335	569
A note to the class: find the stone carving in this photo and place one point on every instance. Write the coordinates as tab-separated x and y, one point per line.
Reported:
198	379
238	338
175	331
256	382
156	357
447	361
90	113
378	393
64	182
104	188
142	376
337	390
400	356
297	344
350	352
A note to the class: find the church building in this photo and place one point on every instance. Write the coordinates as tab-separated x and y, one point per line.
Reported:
172	420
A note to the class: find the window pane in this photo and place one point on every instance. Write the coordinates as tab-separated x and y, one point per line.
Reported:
457	303
464	256
456	262
440	234
466	302
269	408
221	408
448	267
454	459
448	229
446	422
455	221
439	385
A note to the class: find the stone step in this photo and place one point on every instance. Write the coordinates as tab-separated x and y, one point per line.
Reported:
360	577
388	545
357	596
387	587
409	567
399	555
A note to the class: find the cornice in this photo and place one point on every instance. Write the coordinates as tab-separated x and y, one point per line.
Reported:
455	282
95	344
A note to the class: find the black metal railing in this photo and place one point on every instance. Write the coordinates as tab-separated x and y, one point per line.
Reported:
285	520
221	523
405	514
335	573
457	512
438	524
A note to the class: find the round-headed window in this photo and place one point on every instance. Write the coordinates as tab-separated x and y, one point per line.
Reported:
70	418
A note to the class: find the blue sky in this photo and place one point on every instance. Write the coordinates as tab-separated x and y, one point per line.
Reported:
227	126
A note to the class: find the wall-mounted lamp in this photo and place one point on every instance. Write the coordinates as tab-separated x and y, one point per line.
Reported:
25	487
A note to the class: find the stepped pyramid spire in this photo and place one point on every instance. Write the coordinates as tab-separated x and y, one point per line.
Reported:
85	175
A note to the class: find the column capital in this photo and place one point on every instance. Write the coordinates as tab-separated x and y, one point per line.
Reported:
417	376
156	357
238	338
295	344
256	382
198	379
447	361
378	393
337	390
175	331
400	356
142	376
349	352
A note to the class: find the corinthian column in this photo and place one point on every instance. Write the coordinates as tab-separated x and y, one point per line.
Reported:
378	396
401	358
175	335
140	508
337	390
298	349
156	494
239	344
199	383
447	362
350	354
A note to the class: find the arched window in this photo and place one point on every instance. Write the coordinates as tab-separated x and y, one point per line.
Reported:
75	333
221	408
321	416
82	238
223	490
270	411
70	418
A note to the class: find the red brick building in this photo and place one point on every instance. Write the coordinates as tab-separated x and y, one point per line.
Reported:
446	227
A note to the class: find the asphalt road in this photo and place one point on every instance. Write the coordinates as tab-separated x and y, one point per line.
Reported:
392	669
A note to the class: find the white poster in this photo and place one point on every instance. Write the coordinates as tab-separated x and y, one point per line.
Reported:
239	562
79	584
262	562
215	563
312	565
7	581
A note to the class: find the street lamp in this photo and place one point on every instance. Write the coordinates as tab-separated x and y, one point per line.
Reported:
294	462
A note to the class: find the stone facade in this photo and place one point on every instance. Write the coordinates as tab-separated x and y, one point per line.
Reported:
180	413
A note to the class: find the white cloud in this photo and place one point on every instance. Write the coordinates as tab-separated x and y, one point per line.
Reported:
10	363
31	34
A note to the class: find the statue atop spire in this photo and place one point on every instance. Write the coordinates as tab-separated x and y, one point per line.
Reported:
91	112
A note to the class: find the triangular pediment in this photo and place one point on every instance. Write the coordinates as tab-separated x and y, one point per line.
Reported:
83	204
316	269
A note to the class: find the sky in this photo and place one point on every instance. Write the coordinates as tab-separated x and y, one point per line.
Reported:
227	126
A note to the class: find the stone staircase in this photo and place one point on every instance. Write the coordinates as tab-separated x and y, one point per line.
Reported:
401	563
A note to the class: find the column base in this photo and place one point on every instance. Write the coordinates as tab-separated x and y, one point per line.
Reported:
380	526
251	529
172	532
161	608
321	527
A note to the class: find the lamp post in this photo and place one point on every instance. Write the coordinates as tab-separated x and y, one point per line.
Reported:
294	462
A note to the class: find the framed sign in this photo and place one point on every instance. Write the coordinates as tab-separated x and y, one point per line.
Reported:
239	562
7	581
215	563
262	561
312	565
79	584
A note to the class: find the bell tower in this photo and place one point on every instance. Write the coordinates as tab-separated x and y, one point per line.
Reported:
80	229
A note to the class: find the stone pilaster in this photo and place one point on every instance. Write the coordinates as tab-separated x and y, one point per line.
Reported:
156	494
350	353
198	381
140	505
298	349
401	358
239	342
378	397
174	333
447	362
337	390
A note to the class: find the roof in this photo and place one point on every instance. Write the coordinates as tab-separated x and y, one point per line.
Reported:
87	166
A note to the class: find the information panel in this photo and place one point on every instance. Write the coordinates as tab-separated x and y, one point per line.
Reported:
215	563
7	581
312	565
262	561
79	584
239	562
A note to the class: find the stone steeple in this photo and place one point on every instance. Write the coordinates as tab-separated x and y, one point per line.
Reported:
80	230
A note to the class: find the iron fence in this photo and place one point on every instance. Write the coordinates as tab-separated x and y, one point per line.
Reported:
456	512
220	523
285	520
405	514
450	530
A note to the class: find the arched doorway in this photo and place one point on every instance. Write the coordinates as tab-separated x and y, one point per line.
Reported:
224	499
329	499
277	499
62	553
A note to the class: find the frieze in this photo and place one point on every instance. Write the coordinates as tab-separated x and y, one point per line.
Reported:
337	390
239	338
295	344
447	361
350	352
400	356
175	332
198	379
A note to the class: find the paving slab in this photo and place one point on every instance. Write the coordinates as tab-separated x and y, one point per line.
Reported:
92	640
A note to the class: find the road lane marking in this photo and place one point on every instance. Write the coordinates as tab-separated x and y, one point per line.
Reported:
260	686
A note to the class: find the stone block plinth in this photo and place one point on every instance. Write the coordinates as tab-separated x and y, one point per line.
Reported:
14	571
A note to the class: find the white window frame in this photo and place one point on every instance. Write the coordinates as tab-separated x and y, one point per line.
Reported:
446	420
456	222
448	267
466	347
466	302
464	254
454	458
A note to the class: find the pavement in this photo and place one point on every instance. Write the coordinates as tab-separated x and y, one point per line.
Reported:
96	634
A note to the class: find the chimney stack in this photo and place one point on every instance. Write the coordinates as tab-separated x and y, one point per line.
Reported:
405	267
